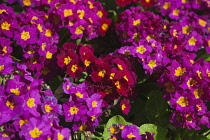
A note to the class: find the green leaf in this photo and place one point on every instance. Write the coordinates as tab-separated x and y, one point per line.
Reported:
114	120
160	132
156	108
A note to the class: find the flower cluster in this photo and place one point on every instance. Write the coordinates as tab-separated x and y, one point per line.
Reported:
128	132
111	76
186	84
83	107
28	111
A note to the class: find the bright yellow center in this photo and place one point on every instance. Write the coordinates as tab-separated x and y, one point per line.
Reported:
87	63
74	68
182	101
67	13
39	27
25	35
79	30
152	63
5	26
166	5
47	108
5	51
189	118
117	84
176	12
100	14
199	108
1	67
179	71
21	122
141	49
102	73
192	41
43	46
120	66
48	55
73	1
130	136
81	14
175	33
10	105
123	107
48	33
15	91
184	1
191	82
104	26
113	130
35	133
90	5
67	60
185	29
93	118
198	93
202	22
30	102
94	104
73	110
79	94
125	77
136	22
112	75
60	137
26	2
1	11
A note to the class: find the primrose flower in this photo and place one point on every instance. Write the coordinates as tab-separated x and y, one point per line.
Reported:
131	132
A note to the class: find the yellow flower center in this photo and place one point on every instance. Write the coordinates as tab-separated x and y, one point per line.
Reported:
102	73
94	104
179	71
152	64
67	13
73	110
10	105
191	82
48	108
79	94
48	55
21	122
192	41
166	5
35	133
60	137
15	91
117	84
100	14
136	22
67	60
123	107
79	30
189	118
125	77
198	93
74	68
87	63
5	26
48	33
1	67
30	102
176	12
130	136
39	27
104	26
141	49
81	14
26	2
202	22
182	101
25	35
43	46
185	29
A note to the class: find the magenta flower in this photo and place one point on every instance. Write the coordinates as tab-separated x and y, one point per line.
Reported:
131	132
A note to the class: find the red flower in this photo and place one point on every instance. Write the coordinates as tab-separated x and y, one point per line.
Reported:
105	22
125	106
123	3
147	3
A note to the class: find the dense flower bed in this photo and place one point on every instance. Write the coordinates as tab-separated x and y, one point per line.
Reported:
88	69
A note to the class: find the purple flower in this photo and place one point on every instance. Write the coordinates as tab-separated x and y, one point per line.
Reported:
94	101
131	132
36	128
6	65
